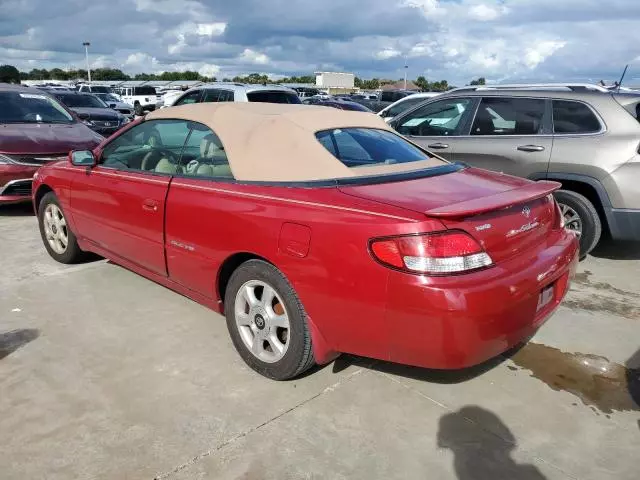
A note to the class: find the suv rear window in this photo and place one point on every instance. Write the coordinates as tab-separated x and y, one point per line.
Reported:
366	147
574	117
273	96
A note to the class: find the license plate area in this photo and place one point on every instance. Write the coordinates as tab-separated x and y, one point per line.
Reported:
545	297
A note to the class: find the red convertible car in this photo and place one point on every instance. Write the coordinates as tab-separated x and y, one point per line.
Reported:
316	232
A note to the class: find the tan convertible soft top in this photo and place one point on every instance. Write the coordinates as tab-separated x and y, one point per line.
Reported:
276	142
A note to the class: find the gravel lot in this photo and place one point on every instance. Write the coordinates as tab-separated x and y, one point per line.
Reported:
104	374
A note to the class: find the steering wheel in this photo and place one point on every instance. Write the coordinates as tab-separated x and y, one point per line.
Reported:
173	158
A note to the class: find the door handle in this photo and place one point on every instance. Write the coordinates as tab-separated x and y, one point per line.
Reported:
150	206
438	146
531	148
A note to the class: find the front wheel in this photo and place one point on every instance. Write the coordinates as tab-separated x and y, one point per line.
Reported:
137	108
56	235
267	322
581	217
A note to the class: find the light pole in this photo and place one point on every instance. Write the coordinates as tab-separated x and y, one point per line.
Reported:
86	54
405	72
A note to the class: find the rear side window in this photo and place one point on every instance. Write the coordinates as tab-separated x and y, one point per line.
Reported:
145	91
574	117
273	96
366	147
509	116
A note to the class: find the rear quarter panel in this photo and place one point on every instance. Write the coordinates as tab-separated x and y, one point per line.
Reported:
341	287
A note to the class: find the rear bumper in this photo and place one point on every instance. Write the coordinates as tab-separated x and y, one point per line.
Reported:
624	224
457	322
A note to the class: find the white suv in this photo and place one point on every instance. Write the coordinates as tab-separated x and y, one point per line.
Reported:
143	98
237	92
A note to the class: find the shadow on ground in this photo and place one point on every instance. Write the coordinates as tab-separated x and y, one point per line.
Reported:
612	250
13	340
16	210
633	378
482	446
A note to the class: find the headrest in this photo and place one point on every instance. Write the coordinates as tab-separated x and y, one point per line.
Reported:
208	146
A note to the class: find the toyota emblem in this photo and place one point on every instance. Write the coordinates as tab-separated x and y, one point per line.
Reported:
526	211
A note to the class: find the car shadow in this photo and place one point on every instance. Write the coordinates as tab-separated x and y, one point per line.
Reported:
482	446
17	210
616	250
423	374
633	378
14	339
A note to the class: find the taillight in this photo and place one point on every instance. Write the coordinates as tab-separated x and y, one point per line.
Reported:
435	254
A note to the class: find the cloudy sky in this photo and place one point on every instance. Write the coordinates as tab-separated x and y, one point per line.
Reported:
502	40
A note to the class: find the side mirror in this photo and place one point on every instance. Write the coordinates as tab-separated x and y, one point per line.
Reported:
112	105
83	116
82	158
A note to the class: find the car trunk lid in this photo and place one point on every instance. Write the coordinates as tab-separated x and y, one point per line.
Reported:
505	214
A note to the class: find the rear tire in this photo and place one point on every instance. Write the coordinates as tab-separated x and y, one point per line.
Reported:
580	216
138	110
56	234
267	322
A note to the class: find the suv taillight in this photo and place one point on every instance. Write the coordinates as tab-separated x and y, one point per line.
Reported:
433	254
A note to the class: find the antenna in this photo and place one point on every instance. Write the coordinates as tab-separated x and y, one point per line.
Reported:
622	77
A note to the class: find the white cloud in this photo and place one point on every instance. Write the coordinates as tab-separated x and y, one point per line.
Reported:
251	56
486	13
142	62
534	56
387	53
428	7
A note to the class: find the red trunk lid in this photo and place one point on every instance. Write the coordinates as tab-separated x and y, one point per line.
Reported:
505	214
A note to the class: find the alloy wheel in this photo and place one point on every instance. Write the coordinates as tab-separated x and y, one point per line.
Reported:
262	321
572	220
55	228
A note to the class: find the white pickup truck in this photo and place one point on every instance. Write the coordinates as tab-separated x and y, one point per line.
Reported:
143	98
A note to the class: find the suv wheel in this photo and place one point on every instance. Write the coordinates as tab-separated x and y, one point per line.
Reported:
581	217
137	108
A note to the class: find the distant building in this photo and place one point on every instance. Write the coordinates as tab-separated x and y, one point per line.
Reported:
399	85
337	80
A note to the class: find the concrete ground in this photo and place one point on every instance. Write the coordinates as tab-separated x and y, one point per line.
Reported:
104	374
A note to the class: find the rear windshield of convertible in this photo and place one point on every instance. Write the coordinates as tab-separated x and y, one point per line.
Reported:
367	147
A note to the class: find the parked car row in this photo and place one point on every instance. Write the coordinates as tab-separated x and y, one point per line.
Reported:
361	221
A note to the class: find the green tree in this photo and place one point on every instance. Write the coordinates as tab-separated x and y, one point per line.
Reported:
479	81
58	74
422	83
9	74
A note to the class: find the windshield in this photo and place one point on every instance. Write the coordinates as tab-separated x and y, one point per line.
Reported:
19	107
273	96
81	101
366	147
403	105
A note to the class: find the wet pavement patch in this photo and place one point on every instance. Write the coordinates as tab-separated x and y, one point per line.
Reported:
602	385
14	339
602	297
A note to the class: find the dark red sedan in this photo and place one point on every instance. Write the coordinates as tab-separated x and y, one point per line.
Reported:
316	232
34	130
